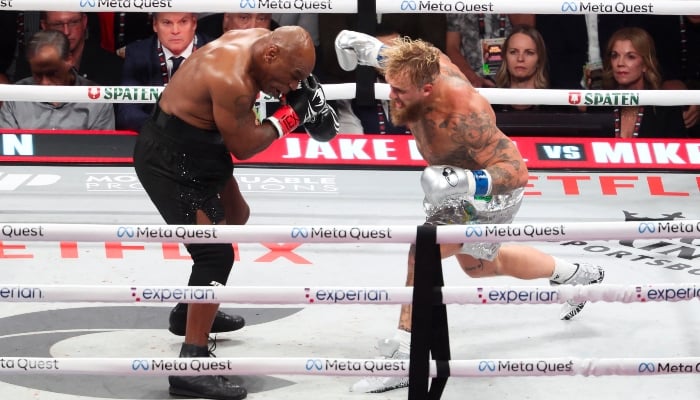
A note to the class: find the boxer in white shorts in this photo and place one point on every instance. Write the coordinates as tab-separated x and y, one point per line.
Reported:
475	173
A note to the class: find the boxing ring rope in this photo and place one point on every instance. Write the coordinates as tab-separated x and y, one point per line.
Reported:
318	366
561	366
642	293
669	7
574	97
481	233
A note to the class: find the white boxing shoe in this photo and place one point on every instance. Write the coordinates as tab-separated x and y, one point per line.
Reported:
586	274
388	349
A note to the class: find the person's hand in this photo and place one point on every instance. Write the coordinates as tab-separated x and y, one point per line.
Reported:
325	126
440	182
302	106
487	83
691	114
353	48
308	100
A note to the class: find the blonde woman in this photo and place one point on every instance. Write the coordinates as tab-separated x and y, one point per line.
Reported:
630	63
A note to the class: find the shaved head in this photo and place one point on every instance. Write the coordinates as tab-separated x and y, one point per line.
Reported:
296	45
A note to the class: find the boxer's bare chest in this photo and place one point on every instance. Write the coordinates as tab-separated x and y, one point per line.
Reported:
439	144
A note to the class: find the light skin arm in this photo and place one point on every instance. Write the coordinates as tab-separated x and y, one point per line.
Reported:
691	114
482	143
474	139
453	43
522	19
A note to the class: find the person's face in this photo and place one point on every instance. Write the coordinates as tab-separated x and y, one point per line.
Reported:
282	69
72	24
627	65
521	57
175	31
281	80
406	101
48	68
246	21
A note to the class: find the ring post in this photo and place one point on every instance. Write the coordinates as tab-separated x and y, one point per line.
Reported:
429	329
366	76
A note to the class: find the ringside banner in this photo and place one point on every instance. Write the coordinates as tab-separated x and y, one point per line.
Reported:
53	146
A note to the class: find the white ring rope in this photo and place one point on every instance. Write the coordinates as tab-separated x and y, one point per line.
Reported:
144	366
404	234
671	7
481	233
642	293
573	97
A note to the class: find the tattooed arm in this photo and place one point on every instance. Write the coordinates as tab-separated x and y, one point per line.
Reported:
469	138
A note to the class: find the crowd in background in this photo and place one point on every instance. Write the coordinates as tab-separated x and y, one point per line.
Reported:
519	51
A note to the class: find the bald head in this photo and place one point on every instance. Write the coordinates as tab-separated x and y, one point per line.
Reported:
292	37
296	44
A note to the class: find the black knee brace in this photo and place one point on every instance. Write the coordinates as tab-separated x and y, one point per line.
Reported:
212	262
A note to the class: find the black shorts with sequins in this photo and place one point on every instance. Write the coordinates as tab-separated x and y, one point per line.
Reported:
182	168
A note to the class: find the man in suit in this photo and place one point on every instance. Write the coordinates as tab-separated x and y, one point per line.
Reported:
152	61
89	59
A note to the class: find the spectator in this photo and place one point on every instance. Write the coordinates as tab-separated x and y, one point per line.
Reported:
308	21
15	27
686	32
152	61
630	63
464	41
524	63
214	25
233	21
89	59
8	42
117	29
50	61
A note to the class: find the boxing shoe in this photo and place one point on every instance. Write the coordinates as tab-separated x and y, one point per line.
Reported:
204	386
388	349
222	322
586	274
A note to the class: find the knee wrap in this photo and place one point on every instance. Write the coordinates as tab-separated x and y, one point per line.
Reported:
211	262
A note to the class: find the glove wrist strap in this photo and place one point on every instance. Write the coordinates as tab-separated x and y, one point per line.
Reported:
482	182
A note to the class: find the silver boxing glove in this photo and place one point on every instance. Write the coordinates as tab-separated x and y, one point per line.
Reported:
441	182
353	48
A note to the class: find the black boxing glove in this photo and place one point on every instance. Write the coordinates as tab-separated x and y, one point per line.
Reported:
325	126
302	105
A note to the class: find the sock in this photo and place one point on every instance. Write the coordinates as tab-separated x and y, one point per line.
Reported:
404	339
563	270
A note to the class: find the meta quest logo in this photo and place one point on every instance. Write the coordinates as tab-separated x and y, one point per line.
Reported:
676	254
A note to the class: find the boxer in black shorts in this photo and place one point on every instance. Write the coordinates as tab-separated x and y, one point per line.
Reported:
183	157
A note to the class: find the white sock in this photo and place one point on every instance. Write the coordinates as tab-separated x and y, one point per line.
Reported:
404	339
563	270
